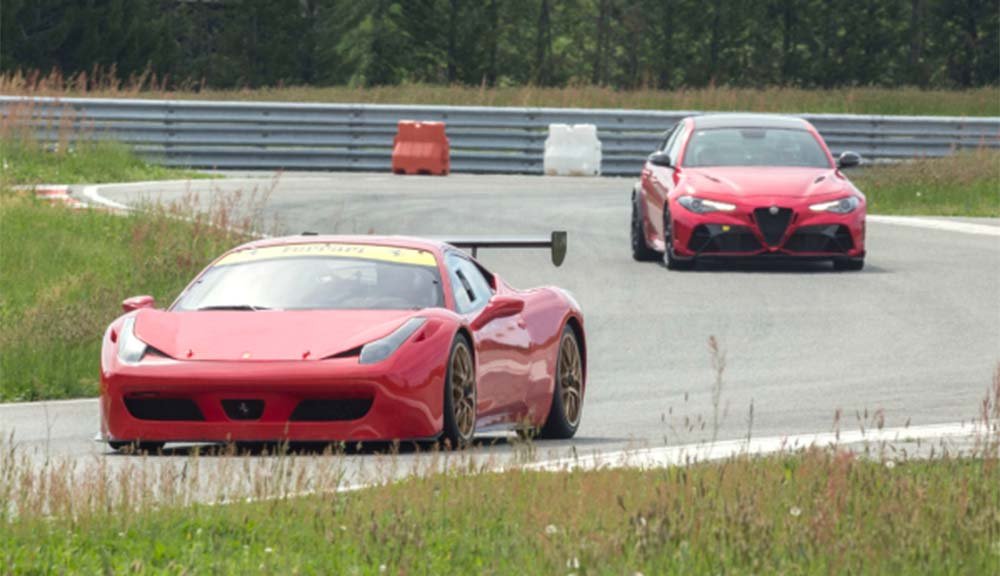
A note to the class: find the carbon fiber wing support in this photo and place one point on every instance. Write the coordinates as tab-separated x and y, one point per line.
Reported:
556	242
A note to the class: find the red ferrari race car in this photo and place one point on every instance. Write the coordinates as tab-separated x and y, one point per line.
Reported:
747	185
337	338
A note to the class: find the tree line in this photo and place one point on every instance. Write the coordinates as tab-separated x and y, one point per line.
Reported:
627	44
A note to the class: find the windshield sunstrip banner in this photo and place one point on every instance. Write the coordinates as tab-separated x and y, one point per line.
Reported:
331	250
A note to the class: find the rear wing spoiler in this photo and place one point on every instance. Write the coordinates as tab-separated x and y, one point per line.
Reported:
556	242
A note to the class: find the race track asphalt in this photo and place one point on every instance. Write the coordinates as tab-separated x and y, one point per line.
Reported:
913	338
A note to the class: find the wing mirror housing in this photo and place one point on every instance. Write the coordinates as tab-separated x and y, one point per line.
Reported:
498	307
137	302
660	159
849	160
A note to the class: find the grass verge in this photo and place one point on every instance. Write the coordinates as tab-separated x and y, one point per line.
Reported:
819	511
965	184
65	272
860	100
71	269
26	162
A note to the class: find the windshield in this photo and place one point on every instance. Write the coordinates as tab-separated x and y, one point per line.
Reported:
754	147
260	280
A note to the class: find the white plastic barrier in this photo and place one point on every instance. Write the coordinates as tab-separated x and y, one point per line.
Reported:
572	150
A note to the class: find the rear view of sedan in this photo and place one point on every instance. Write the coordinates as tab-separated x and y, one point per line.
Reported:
728	186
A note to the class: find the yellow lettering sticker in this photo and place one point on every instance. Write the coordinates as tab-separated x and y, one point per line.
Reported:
329	250
725	228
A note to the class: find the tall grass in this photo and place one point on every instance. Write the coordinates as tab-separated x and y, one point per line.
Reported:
859	100
65	272
810	511
964	184
72	157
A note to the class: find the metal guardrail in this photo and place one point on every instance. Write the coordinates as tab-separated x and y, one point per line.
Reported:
254	135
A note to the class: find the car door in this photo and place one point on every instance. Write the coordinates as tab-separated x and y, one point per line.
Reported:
658	181
502	344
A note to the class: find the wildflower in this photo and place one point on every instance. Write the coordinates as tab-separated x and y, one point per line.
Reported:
795	511
919	194
382	568
121	534
573	563
197	532
268	550
890	464
551	529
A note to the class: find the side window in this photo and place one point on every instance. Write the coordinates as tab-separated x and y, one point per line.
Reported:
468	285
667	138
674	146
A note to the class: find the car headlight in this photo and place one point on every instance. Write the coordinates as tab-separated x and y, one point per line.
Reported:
703	205
130	348
840	206
382	348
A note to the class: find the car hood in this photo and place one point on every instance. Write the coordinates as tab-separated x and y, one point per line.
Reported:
265	335
751	182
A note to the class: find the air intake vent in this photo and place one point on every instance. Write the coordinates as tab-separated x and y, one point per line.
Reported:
327	410
773	226
172	409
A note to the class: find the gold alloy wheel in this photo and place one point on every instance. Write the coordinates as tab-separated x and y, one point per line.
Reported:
570	376
463	391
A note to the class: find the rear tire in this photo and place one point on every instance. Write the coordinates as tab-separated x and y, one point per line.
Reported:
669	259
567	392
849	264
640	251
459	395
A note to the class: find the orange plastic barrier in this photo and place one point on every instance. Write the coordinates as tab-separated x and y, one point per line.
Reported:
420	148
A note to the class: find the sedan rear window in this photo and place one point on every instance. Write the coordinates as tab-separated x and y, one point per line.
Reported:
314	283
754	147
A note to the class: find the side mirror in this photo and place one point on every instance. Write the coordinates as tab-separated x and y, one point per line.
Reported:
498	307
848	160
660	159
136	302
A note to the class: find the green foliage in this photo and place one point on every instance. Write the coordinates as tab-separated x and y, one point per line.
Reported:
966	184
65	275
819	512
65	272
626	44
28	162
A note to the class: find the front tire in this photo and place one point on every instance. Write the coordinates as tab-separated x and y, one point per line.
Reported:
640	251
567	394
460	395
670	260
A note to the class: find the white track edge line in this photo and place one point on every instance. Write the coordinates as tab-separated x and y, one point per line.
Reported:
91	193
936	224
674	455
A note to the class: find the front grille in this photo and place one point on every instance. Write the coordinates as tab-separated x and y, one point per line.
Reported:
773	226
326	410
832	238
173	409
711	238
243	409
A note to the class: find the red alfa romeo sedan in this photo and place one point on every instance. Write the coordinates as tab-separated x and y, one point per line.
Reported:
726	186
